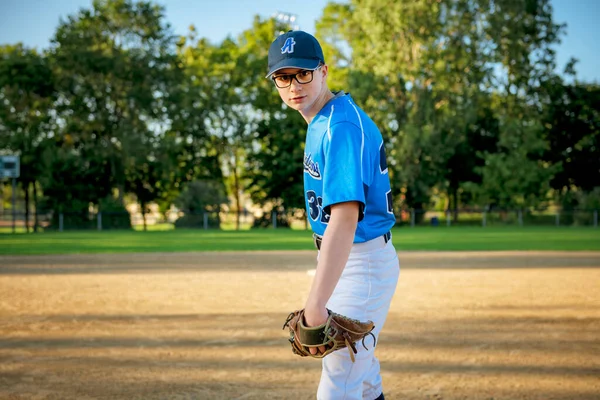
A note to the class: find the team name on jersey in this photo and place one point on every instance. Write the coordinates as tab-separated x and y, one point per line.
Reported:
311	167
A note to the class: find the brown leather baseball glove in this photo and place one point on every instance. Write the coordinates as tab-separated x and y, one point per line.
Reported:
338	332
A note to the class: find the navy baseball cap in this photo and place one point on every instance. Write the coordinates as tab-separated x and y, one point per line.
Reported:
295	49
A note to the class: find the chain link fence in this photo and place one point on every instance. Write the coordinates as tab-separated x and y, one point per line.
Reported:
498	218
67	221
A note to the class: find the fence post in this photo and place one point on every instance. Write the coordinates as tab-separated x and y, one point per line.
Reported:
483	219
274	216
557	219
448	218
520	217
61	222
14	203
205	215
595	218
99	218
412	218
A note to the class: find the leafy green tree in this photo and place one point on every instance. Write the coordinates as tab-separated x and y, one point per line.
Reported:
218	72
426	71
199	149
421	86
571	118
115	65
274	162
515	177
524	34
27	93
149	172
71	182
239	117
198	198
465	165
275	169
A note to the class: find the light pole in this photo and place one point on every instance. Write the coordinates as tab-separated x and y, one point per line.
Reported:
287	18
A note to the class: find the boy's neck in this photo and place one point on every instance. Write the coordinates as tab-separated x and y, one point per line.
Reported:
319	104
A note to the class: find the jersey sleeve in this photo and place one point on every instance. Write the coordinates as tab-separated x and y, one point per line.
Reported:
343	173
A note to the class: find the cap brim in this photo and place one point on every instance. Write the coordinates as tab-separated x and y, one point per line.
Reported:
301	63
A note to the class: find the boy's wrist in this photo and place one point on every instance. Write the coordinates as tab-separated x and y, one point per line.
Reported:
315	316
314	305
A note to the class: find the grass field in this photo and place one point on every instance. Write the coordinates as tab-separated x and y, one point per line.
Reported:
405	239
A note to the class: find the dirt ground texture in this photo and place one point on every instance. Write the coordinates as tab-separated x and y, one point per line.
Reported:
476	325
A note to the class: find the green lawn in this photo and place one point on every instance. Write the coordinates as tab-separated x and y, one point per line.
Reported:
405	238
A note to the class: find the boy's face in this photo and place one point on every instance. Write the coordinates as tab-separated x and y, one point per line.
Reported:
301	96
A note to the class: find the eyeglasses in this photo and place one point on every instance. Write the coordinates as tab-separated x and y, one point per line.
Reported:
303	77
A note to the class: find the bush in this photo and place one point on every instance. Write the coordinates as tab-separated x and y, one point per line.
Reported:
114	214
579	207
201	197
75	220
78	216
266	220
197	221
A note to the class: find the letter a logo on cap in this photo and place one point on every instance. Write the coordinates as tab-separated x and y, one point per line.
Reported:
288	46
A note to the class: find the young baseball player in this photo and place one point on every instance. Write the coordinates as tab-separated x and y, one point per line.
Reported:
349	206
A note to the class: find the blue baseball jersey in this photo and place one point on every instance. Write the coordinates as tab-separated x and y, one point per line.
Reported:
344	160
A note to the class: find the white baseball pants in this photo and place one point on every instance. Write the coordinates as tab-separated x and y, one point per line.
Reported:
364	292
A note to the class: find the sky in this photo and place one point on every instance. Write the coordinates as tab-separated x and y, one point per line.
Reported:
33	23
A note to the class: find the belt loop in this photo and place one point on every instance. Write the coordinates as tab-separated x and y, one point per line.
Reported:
317	240
387	236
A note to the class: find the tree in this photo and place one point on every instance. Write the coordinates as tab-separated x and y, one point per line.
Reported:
422	88
227	115
571	118
275	169
27	93
115	68
150	170
200	198
524	34
514	176
430	83
239	117
275	159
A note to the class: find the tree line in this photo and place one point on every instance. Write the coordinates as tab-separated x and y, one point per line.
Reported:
464	91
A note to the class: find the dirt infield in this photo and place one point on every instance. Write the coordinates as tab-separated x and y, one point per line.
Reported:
504	325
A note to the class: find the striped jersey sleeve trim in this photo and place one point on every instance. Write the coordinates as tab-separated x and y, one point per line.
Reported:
362	143
329	123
